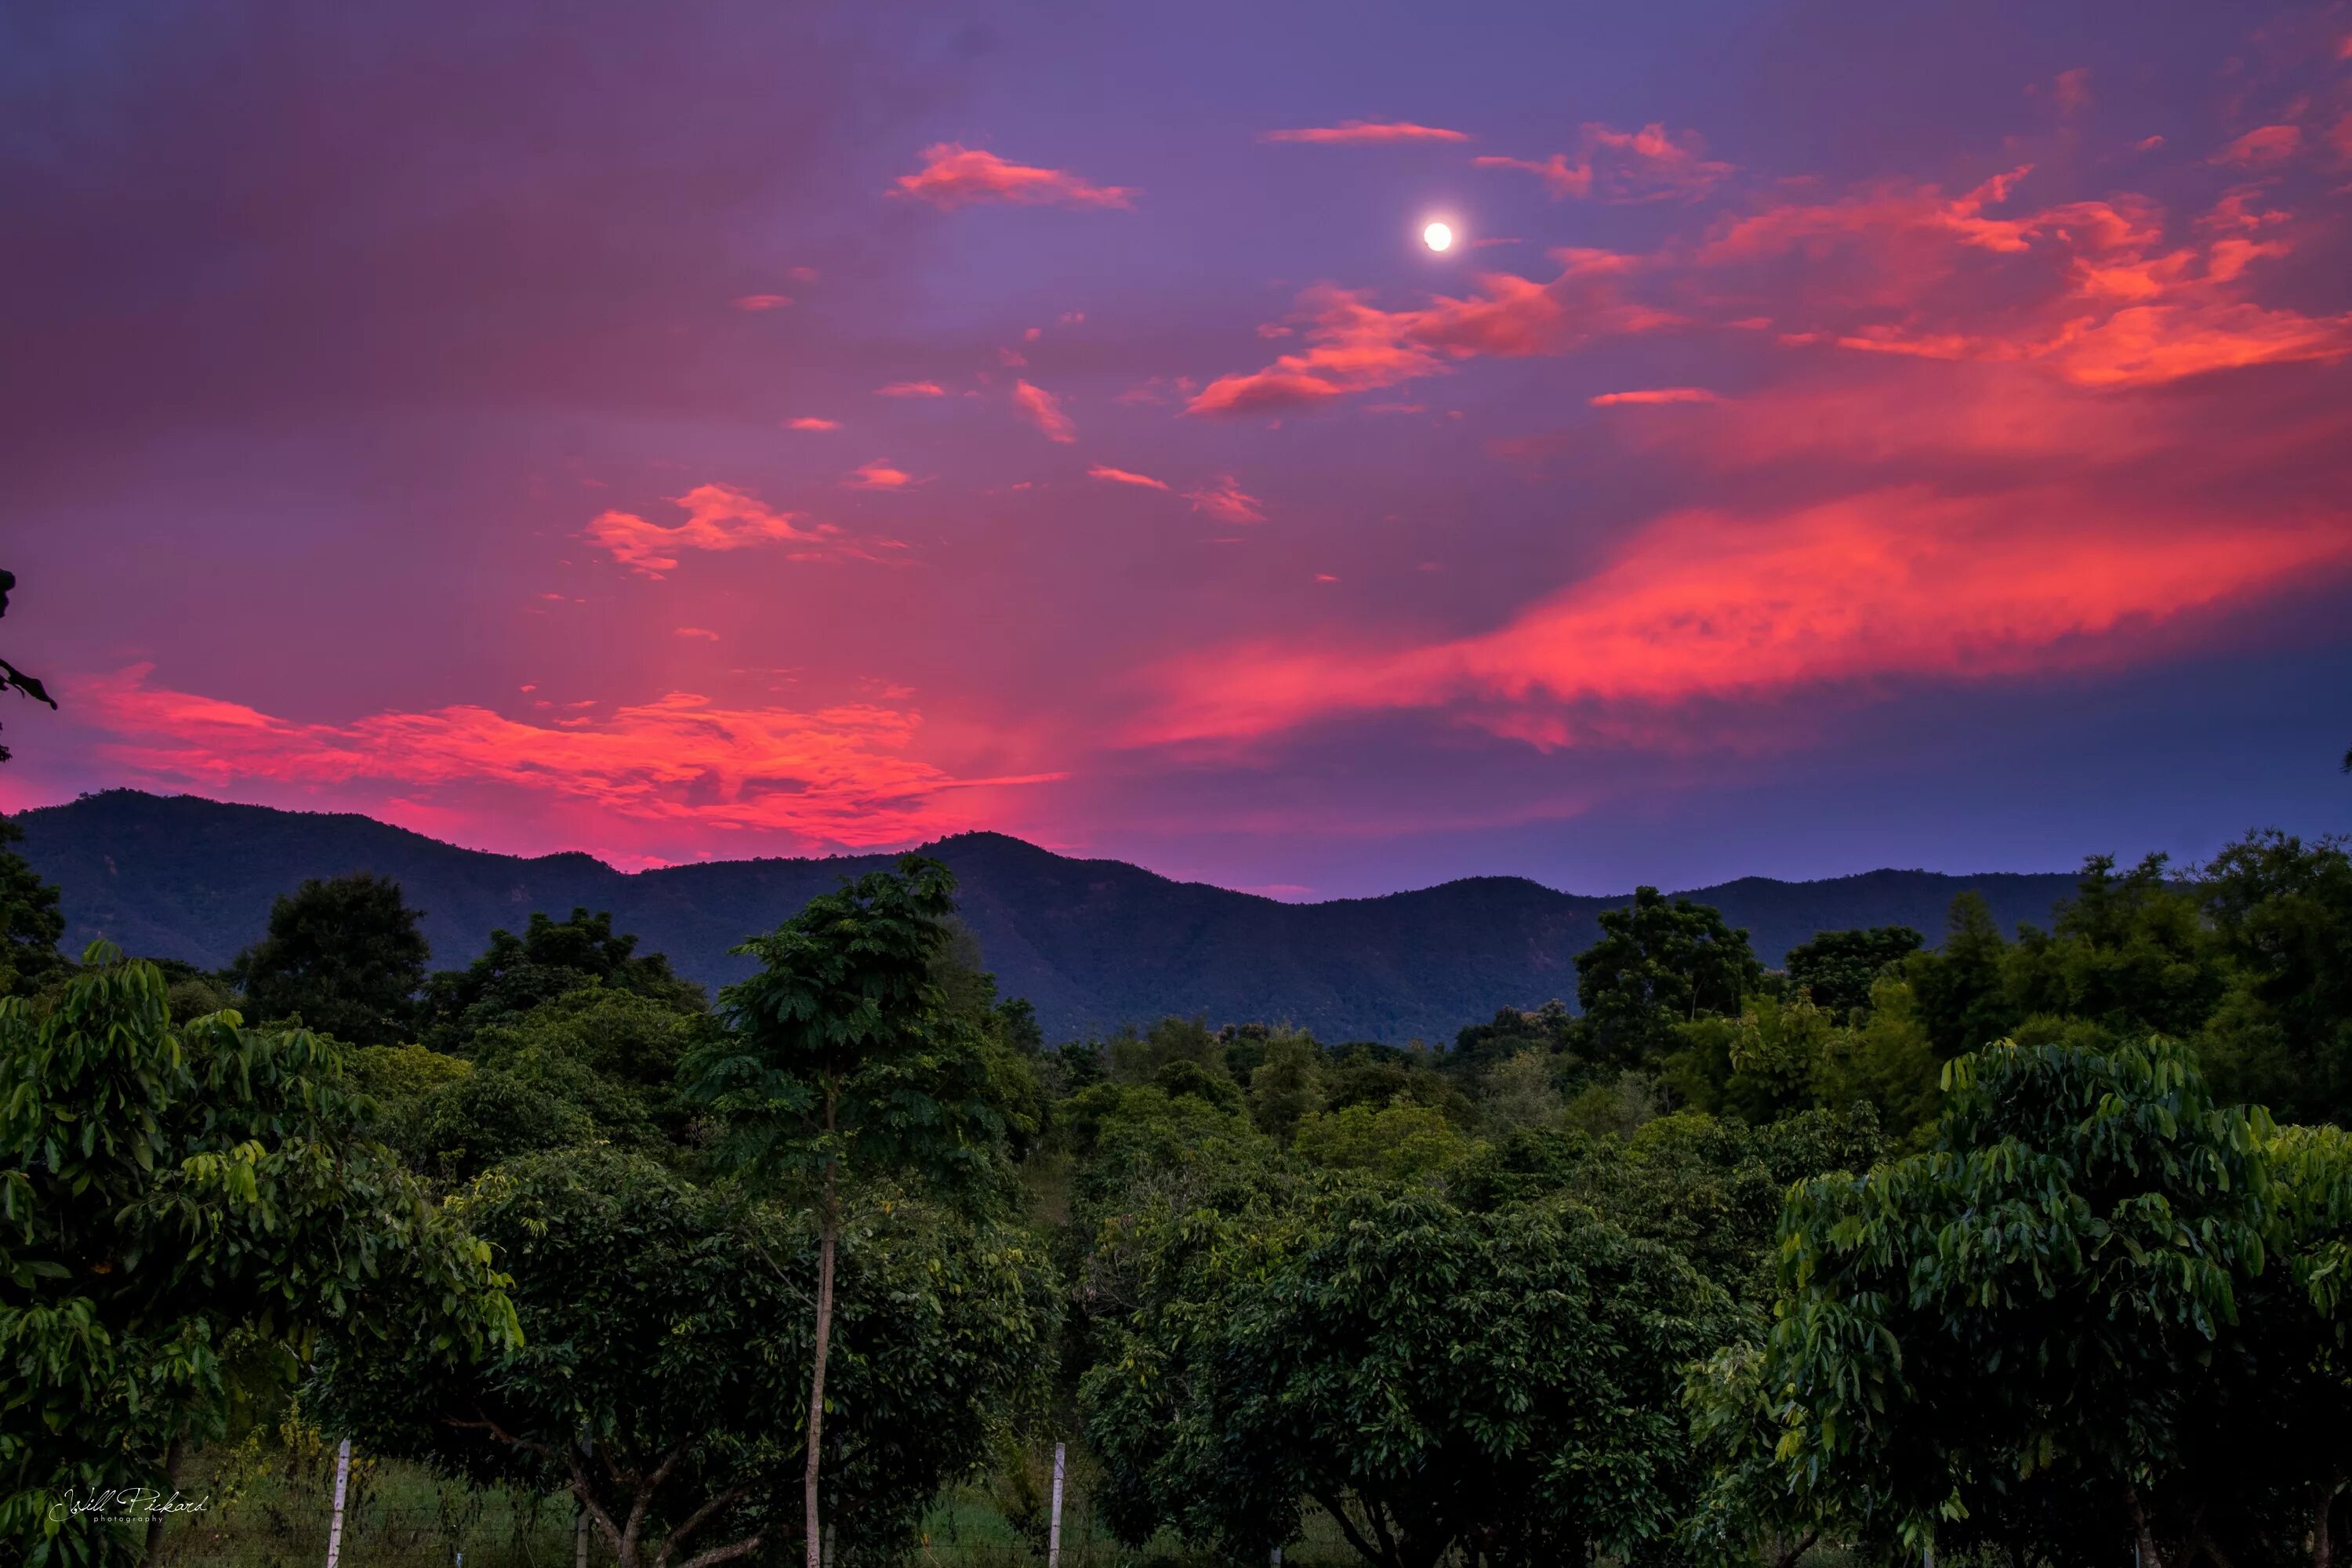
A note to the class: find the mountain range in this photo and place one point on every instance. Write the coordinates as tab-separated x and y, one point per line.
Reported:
1091	943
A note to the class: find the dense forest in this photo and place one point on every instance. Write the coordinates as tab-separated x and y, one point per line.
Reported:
2020	1248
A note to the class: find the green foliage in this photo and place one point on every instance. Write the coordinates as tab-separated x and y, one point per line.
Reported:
1286	1084
30	921
2281	914
1402	1142
1435	1379
1659	962
173	1198
344	956
2018	1316
464	1126
552	958
1838	968
667	1342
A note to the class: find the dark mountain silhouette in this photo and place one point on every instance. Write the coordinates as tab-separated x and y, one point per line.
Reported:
1092	943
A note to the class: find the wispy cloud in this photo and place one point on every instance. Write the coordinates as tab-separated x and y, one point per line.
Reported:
812	424
1650	165
1351	133
911	389
756	302
1044	410
1655	395
1122	477
878	475
954	175
1225	500
718	518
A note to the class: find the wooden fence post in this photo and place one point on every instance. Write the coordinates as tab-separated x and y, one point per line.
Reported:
1053	1522
578	1535
335	1528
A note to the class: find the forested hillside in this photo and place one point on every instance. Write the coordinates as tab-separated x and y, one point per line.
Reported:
1090	943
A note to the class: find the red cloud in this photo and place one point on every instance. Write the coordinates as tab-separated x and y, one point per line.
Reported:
704	634
761	301
2264	144
1655	395
1122	477
1356	347
911	389
812	424
1710	604
1354	131
1650	165
1226	501
1043	411
673	768
2091	289
954	175
718	517
878	475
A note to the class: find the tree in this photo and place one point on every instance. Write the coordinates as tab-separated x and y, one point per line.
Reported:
11	678
344	955
517	973
2001	1337
841	1060
172	1198
1501	1383
30	921
2282	915
1960	988
1659	964
1838	967
663	1325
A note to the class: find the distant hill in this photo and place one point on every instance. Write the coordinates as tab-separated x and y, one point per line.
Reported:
1091	943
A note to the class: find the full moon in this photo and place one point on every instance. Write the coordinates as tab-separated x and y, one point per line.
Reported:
1438	237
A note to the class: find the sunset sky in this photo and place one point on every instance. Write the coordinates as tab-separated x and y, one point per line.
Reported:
1843	434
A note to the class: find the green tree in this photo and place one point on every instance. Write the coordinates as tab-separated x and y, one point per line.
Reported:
517	973
343	955
11	678
664	1324
30	921
1838	967
2006	1331
840	1061
1659	964
1286	1084
1504	1384
174	1198
2281	914
1960	989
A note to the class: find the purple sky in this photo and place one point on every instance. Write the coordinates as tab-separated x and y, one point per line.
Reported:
1843	434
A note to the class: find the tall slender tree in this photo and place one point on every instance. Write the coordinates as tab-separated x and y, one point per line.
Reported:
841	1061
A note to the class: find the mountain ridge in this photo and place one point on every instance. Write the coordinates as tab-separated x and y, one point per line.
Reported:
1092	943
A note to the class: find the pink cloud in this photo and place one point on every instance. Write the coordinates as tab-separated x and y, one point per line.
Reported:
2263	144
1654	395
673	769
1361	131
2071	92
718	518
811	424
954	175
1226	501
1123	477
1044	411
704	634
878	475
911	389
1710	604
761	301
1354	346
1647	165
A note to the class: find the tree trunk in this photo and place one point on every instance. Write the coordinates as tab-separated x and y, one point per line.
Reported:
155	1518
828	1228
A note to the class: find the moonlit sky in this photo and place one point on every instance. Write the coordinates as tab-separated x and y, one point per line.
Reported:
1840	434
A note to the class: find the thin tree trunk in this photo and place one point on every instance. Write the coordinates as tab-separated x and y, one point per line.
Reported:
828	1224
155	1518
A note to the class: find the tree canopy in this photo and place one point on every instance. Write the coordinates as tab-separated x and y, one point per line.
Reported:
344	955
